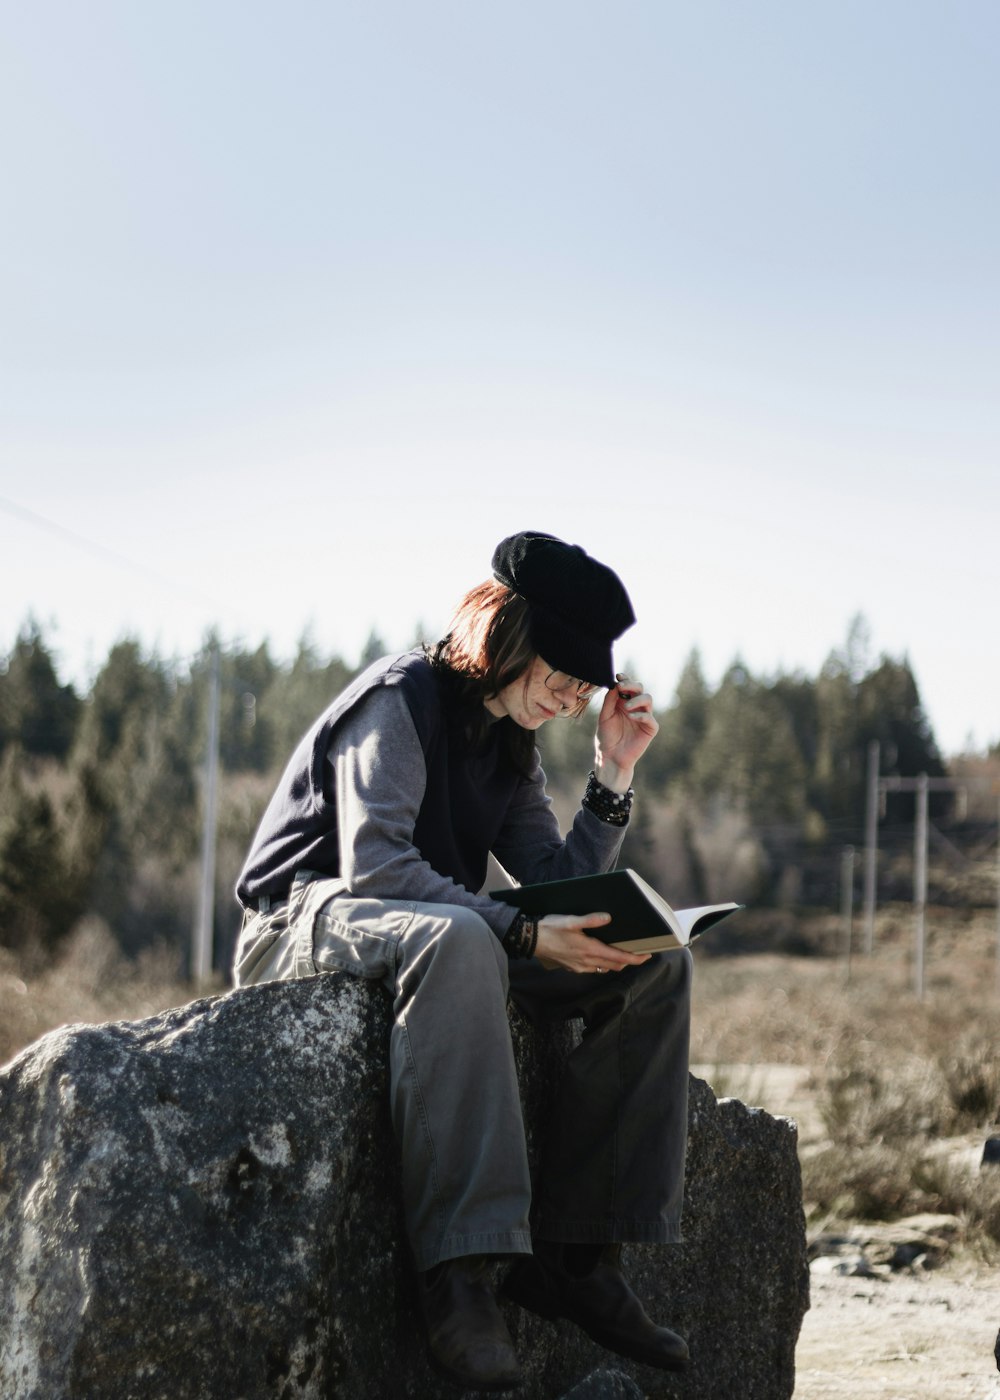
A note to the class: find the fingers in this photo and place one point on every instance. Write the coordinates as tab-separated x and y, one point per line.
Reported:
571	923
562	942
585	920
630	698
594	956
600	957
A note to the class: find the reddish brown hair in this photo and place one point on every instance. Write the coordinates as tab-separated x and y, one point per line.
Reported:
488	640
486	647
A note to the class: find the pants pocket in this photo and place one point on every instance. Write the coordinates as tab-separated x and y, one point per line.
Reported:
360	936
264	952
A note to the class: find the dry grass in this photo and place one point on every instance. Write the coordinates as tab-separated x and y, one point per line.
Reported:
802	1009
90	981
906	1089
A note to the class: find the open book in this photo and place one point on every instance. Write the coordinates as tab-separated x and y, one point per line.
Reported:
641	920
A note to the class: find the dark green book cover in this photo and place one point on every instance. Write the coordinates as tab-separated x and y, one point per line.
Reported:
641	919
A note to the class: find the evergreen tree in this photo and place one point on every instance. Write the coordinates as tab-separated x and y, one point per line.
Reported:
36	712
39	896
682	727
138	791
748	755
246	729
839	760
891	711
298	695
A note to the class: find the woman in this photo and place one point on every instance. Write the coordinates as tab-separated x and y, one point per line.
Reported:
369	860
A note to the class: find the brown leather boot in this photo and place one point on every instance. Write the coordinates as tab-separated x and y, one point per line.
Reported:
466	1334
600	1300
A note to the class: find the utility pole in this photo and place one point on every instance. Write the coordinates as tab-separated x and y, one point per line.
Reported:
201	943
998	897
871	843
847	905
920	884
922	786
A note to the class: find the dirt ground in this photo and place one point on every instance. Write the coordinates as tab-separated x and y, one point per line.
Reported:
907	1337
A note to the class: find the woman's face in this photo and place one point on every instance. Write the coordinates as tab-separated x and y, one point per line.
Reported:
530	700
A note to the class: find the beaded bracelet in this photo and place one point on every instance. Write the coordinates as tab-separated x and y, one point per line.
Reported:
608	806
521	938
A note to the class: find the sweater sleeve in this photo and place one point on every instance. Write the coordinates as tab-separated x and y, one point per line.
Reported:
377	775
531	848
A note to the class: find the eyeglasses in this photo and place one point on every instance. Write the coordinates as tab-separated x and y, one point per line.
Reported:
559	680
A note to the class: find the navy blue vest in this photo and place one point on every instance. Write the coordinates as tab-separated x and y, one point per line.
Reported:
463	807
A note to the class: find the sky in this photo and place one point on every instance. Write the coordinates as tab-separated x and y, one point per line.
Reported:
304	306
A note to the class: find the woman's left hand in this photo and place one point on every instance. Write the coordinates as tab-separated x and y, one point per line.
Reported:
625	728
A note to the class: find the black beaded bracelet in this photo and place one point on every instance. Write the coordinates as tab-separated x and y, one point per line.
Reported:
521	938
607	806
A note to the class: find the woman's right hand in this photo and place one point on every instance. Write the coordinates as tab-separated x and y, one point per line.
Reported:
564	942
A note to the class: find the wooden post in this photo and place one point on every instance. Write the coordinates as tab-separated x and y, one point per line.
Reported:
201	949
922	786
847	906
871	844
920	884
998	896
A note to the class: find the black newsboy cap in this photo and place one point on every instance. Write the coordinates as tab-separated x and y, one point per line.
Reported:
576	606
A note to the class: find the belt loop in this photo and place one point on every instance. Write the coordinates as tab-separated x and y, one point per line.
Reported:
264	904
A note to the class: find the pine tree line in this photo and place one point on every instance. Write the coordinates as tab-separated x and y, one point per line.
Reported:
746	792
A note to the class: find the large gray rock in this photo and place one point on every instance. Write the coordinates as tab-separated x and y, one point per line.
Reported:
204	1206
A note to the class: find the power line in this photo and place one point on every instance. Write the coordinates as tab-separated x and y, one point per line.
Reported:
111	556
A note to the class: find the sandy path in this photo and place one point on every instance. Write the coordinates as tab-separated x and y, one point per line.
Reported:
909	1337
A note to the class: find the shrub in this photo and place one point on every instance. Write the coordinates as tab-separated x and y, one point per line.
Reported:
878	1181
971	1076
91	981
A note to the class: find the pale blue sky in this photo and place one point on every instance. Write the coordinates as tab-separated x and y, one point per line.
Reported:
303	306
